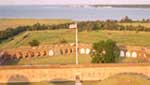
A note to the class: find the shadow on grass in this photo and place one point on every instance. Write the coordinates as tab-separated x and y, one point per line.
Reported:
60	81
6	59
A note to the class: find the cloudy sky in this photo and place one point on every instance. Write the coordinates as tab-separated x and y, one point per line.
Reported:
18	2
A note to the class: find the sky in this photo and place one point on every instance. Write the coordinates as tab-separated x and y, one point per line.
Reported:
42	2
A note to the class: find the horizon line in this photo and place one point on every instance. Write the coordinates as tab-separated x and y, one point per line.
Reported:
77	4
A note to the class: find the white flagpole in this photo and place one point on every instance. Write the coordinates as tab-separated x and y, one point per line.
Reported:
77	62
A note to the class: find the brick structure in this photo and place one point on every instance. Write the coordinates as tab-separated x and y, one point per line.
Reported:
67	49
135	52
69	72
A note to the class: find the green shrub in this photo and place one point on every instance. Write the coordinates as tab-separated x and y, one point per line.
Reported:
34	43
63	41
105	52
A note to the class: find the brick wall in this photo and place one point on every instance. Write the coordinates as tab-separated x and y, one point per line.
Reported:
68	72
67	49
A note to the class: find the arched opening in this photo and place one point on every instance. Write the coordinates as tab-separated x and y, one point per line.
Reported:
25	55
66	51
32	54
82	51
17	79
44	53
20	57
88	51
51	53
71	51
128	54
134	54
61	51
122	53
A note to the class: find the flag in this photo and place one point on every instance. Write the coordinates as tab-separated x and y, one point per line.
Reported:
72	26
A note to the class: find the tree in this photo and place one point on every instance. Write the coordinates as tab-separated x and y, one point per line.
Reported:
95	27
105	52
126	19
34	43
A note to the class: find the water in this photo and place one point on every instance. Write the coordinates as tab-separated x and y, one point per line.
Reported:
74	13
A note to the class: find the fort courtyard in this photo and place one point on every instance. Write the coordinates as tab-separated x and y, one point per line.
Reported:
74	44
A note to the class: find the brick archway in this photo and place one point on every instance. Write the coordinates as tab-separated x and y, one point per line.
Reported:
18	78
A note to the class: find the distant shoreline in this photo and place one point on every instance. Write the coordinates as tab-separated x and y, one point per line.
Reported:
123	6
96	5
113	6
76	12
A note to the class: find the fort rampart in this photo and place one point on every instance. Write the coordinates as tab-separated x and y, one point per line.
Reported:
67	49
69	72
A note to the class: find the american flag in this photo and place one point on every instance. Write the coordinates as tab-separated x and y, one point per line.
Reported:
72	26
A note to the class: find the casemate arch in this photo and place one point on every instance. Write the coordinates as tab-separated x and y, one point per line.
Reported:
85	51
18	78
132	54
53	50
68	49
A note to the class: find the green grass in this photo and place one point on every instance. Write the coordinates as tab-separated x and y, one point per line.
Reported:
55	36
135	24
65	59
133	60
6	23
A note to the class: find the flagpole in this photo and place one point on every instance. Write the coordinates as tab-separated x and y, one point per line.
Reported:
77	62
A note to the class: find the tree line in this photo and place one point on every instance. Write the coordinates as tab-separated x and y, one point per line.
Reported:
109	25
82	26
11	32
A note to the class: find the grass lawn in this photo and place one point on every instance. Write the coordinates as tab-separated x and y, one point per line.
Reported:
65	59
135	24
6	23
55	36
